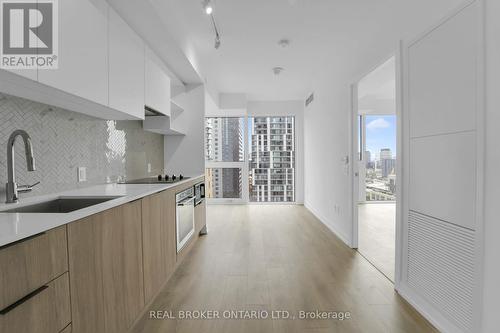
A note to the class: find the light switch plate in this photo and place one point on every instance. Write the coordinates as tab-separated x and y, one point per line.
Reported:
82	174
149	167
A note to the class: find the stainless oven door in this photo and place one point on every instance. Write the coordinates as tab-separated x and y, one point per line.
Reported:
185	221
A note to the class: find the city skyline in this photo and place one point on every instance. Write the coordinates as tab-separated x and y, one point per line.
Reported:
270	157
380	134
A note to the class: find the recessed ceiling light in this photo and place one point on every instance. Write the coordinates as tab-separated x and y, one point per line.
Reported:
278	70
284	42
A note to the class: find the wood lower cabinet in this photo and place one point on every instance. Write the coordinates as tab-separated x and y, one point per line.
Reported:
94	275
47	310
68	329
27	265
159	240
106	270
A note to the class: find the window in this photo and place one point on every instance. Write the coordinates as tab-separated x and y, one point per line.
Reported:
380	158
271	159
267	170
223	183
224	157
224	139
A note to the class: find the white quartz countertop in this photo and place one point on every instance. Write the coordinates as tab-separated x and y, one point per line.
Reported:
17	226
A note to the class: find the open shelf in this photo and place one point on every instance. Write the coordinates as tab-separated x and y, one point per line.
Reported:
160	125
175	108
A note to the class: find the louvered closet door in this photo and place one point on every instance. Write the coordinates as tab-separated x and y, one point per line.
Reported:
442	114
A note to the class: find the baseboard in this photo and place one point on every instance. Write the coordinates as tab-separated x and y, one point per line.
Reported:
427	310
343	237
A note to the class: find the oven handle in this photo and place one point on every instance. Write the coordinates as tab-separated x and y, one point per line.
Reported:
185	201
202	190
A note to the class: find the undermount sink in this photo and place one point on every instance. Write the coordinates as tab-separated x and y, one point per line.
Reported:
60	205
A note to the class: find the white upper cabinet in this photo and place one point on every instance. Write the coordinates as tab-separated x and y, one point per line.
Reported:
126	67
157	84
104	68
83	51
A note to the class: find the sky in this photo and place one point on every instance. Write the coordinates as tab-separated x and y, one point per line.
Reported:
380	133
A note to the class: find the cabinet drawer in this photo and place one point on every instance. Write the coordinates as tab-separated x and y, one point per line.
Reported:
31	263
46	310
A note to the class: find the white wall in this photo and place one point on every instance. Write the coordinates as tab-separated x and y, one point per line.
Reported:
232	101
287	108
326	144
211	108
326	120
184	154
491	294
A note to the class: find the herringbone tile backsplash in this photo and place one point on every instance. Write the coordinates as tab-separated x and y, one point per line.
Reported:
64	141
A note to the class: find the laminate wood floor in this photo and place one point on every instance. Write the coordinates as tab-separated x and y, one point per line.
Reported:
377	235
265	258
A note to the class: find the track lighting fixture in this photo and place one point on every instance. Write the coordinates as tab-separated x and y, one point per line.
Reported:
209	10
278	70
207	6
217	41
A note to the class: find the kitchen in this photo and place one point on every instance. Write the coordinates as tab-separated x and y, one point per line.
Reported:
158	174
104	221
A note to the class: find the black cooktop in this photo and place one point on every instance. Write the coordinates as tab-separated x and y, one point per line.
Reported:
160	179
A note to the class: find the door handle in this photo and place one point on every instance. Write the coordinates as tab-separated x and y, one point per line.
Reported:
186	201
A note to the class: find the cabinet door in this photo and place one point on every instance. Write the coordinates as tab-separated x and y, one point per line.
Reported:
45	311
157	84
83	51
29	264
158	230
105	264
126	67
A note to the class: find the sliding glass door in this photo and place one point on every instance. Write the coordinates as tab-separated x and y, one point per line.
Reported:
250	159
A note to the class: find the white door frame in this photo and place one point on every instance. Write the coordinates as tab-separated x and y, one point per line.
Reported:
353	165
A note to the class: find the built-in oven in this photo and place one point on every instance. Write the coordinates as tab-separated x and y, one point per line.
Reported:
199	193
184	215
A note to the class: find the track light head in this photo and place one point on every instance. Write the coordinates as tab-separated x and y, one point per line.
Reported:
277	70
217	42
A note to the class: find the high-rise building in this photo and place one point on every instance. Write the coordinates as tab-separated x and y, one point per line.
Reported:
224	143
272	159
385	154
387	163
387	166
368	159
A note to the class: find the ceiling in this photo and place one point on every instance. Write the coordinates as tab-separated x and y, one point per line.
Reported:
377	90
322	33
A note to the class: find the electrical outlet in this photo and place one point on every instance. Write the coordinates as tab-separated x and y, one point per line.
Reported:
82	174
149	167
